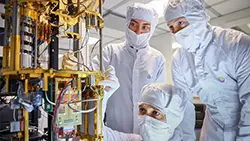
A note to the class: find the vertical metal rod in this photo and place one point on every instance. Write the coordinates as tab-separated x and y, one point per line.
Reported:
7	84
54	44
99	103
15	18
86	59
22	44
53	64
36	49
100	34
86	125
6	40
76	45
26	114
15	39
50	118
98	117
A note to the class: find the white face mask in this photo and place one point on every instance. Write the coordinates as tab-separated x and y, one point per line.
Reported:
137	41
186	37
154	130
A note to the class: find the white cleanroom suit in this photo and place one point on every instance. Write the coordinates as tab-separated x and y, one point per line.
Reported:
136	64
171	101
215	64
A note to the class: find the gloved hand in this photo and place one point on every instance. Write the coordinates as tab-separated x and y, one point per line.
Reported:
111	84
69	61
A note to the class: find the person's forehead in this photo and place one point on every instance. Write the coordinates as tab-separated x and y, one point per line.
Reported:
176	20
140	21
147	106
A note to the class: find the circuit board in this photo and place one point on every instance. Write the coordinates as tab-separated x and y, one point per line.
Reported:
67	116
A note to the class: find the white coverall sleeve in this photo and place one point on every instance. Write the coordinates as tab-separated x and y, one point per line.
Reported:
188	123
161	74
112	135
178	77
242	66
106	54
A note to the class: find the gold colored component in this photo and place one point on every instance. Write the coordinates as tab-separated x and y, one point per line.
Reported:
54	25
5	56
7	84
15	52
91	138
90	15
29	11
88	7
79	84
25	113
92	5
22	77
46	74
71	35
65	18
36	1
97	117
86	129
26	125
8	57
19	135
40	11
46	82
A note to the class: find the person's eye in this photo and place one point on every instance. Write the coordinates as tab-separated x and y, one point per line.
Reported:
180	22
156	113
142	110
145	27
133	24
171	28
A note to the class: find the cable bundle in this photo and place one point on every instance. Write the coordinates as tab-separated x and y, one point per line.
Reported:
57	106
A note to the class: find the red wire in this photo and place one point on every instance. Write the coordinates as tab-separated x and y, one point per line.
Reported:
57	106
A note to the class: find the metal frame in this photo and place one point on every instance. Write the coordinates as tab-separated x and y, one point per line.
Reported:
13	69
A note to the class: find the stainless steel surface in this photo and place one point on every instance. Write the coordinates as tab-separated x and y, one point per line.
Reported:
15	18
6	36
36	49
27	47
26	60
100	34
